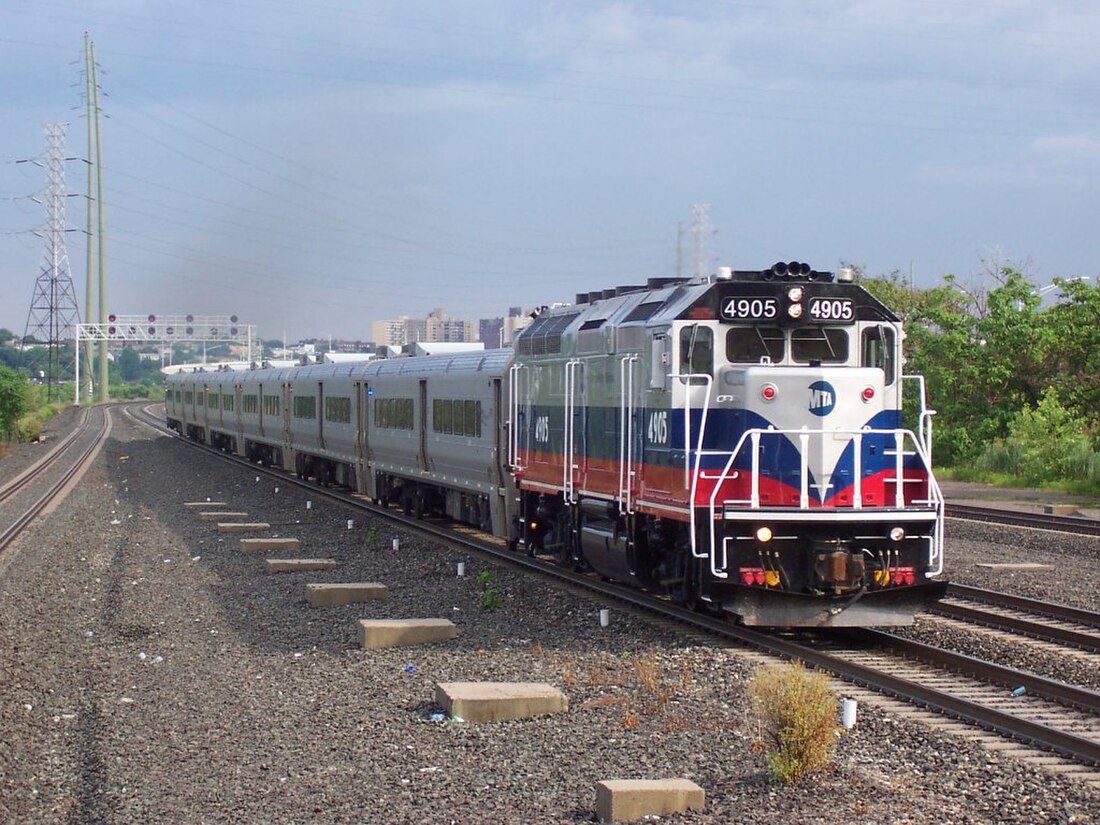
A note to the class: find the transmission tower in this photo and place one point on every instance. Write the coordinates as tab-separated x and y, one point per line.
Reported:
701	232
54	314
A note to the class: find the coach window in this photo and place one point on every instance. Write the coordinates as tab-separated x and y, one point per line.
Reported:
696	351
877	350
472	424
824	345
755	345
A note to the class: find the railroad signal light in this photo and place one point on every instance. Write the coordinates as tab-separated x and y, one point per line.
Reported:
152	318
152	330
112	318
111	330
232	319
190	318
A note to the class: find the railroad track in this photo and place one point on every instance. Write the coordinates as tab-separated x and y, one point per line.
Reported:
1048	715
72	455
1028	617
44	463
1039	521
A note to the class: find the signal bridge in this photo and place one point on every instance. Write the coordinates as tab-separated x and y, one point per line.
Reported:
164	330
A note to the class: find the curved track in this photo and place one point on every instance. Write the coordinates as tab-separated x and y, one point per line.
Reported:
65	461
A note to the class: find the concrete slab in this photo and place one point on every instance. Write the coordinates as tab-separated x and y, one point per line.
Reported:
242	526
334	595
1060	510
199	505
619	800
376	633
250	545
1026	565
493	701
222	515
297	565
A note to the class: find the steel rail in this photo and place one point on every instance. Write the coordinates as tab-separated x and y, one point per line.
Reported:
9	534
1038	521
1083	639
40	466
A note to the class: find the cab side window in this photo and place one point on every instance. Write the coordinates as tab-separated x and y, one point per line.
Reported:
697	351
877	350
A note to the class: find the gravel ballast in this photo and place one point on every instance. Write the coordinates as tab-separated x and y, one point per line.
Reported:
152	672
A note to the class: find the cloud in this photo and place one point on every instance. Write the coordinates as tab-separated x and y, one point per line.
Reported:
1064	149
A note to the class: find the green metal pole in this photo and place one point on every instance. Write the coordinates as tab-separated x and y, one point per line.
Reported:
104	393
89	305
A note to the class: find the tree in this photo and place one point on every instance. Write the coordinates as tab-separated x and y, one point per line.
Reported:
6	336
129	364
13	401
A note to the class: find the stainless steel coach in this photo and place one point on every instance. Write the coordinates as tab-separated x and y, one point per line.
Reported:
426	432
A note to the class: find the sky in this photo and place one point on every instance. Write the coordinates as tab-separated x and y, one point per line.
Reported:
314	167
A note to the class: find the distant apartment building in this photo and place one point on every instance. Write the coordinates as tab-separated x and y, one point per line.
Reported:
390	333
436	328
499	332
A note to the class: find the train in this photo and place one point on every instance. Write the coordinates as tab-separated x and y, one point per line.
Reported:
736	442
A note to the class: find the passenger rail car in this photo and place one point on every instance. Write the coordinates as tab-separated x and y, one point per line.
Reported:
736	442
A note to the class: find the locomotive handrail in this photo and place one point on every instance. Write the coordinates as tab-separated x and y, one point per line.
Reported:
691	479
513	414
753	436
626	432
568	480
924	420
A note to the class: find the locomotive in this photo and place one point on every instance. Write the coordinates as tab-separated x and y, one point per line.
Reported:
736	442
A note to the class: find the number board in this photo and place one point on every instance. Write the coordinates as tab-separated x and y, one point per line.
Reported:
831	310
750	308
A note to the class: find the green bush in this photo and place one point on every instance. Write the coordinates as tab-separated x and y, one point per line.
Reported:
798	712
490	597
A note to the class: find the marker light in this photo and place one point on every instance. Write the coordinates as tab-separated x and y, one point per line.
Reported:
771	578
897	533
794	293
795	310
768	392
867	394
763	534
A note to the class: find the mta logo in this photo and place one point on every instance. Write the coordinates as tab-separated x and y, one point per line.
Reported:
822	398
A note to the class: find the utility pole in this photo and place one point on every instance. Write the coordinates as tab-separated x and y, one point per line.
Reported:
89	304
54	312
101	233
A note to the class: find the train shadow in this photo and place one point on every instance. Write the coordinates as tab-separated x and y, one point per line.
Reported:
493	607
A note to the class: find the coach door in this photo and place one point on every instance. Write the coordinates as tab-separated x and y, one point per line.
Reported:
422	424
320	415
362	438
260	408
238	426
287	439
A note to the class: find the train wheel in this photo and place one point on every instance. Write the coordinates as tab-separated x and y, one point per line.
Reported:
685	592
